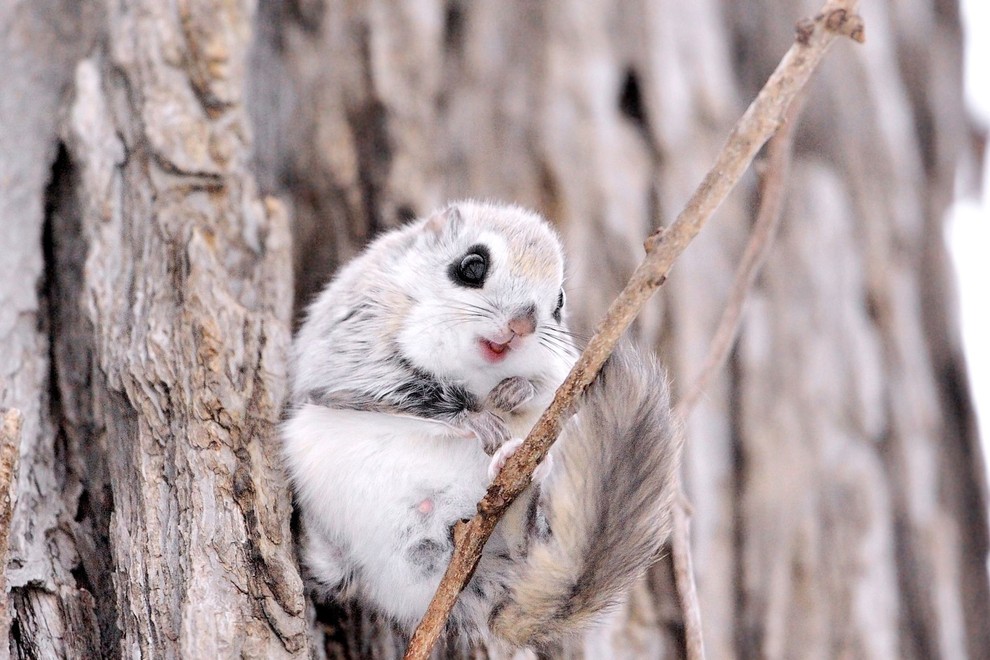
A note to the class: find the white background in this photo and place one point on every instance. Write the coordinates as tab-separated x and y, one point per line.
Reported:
968	232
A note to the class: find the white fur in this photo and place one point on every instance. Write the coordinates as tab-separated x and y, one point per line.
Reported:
379	488
436	330
359	477
503	454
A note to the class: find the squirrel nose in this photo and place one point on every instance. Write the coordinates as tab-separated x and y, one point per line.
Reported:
524	322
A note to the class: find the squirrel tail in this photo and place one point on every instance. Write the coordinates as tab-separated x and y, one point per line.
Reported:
605	510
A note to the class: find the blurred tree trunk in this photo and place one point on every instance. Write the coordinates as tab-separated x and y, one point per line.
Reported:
145	300
840	505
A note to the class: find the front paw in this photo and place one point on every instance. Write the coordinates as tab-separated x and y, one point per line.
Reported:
507	450
486	426
510	394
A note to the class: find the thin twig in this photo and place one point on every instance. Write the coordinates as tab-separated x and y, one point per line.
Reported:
764	231
687	593
761	238
758	123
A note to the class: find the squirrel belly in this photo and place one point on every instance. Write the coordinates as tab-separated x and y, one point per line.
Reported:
416	365
378	494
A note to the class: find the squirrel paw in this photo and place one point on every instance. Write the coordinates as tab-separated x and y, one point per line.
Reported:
510	394
486	426
507	450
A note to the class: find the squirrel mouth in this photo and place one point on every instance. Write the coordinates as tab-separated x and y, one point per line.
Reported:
493	351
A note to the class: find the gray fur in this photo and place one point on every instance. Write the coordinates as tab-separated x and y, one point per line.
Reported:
430	555
510	394
569	548
608	510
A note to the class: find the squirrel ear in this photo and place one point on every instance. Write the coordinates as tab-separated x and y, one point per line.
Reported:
446	223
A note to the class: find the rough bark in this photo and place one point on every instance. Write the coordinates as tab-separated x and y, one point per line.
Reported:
152	517
11	422
838	505
40	42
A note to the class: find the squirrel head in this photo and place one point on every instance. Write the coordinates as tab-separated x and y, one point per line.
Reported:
487	299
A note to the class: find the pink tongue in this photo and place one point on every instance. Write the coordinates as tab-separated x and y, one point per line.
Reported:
494	351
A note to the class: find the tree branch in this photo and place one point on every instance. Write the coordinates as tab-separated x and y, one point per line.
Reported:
754	256
687	593
764	230
757	124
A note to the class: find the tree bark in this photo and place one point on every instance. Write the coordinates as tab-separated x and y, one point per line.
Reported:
50	615
151	485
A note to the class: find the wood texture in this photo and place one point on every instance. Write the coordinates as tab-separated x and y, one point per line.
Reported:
165	310
11	422
40	42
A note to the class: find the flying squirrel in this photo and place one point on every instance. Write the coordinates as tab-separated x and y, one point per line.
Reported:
413	376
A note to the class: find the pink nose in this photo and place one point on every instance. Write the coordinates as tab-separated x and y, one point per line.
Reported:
523	324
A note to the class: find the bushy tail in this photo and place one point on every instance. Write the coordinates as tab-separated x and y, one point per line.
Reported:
607	506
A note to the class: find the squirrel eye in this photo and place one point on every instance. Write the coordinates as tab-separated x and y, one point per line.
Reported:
471	270
559	307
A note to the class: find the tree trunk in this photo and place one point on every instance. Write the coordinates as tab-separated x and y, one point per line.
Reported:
152	517
146	297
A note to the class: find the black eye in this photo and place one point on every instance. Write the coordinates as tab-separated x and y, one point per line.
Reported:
559	307
471	269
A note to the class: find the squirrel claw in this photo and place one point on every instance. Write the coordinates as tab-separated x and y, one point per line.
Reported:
510	394
486	426
508	449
